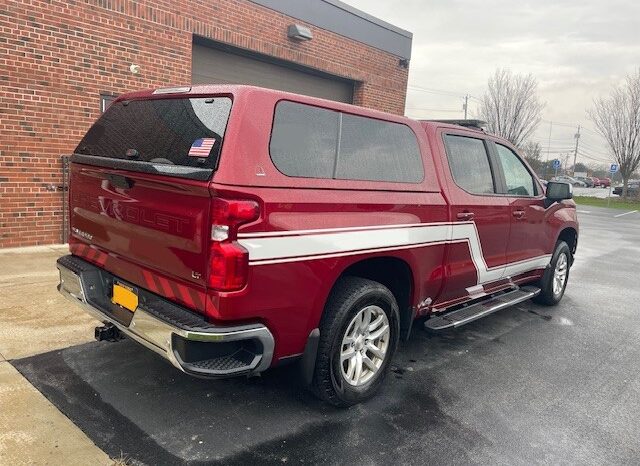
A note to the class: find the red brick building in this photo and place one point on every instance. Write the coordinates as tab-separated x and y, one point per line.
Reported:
62	61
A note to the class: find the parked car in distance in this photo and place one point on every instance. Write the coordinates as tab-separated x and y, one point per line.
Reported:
231	229
633	188
588	182
596	181
605	182
571	180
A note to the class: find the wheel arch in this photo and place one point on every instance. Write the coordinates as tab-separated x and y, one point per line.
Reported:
570	236
394	273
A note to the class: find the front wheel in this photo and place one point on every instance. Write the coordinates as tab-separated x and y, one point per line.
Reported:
358	337
554	280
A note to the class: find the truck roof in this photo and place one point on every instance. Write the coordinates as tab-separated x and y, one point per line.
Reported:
238	90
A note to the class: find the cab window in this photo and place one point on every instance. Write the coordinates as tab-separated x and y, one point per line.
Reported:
518	179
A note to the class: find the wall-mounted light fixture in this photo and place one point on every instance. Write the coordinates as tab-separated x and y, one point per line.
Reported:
403	63
298	32
135	69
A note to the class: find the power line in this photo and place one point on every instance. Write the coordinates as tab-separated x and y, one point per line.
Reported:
545	140
594	150
591	150
592	131
556	123
430	90
595	159
594	143
591	157
435	91
433	109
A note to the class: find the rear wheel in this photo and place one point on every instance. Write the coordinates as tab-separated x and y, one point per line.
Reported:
554	280
358	337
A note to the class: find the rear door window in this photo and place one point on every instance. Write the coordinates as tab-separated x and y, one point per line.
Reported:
314	142
185	132
469	164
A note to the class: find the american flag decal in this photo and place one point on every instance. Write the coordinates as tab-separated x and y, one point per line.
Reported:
201	147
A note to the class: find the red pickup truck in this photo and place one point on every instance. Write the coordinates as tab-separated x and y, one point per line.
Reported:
232	228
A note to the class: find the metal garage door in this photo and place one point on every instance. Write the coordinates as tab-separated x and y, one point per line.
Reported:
213	66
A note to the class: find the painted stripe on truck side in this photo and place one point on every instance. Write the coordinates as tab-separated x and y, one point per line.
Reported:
300	245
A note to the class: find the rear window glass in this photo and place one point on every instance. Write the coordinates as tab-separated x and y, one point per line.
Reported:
186	132
314	142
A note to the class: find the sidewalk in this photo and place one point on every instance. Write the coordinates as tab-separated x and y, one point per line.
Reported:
35	319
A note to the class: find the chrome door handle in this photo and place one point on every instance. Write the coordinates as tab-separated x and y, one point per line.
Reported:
465	215
518	214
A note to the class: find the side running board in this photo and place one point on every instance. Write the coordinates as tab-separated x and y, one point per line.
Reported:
476	311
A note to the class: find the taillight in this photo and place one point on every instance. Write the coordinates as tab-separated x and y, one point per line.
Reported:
228	260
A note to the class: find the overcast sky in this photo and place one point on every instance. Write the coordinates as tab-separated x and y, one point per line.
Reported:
576	50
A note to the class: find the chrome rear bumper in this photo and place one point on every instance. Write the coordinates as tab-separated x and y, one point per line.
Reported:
186	339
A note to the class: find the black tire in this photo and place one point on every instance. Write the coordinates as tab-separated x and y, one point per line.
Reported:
348	297
547	295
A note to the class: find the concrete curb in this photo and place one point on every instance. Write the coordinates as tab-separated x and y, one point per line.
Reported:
34	431
34	249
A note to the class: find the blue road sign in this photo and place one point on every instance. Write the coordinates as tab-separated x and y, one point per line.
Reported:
614	168
556	163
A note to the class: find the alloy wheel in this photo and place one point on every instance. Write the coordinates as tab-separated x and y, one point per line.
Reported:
364	345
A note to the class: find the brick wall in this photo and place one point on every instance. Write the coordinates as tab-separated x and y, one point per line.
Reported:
57	57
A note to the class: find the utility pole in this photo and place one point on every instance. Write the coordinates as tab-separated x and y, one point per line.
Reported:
465	105
575	152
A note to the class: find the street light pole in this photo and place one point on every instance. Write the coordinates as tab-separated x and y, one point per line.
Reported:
575	152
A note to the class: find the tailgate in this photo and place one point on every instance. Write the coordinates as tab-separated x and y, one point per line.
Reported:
139	197
158	223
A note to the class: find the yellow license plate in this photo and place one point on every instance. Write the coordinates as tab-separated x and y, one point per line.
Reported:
125	296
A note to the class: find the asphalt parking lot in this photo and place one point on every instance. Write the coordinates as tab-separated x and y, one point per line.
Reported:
528	385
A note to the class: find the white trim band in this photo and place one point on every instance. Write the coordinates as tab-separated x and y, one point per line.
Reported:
300	245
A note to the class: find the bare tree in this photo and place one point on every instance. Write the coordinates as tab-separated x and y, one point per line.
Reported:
510	106
617	119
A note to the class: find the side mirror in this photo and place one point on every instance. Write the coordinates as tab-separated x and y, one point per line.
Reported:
558	191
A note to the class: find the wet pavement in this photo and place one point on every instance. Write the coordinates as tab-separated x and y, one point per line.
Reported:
526	385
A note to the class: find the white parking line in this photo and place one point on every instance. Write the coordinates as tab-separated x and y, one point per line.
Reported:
626	213
584	211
